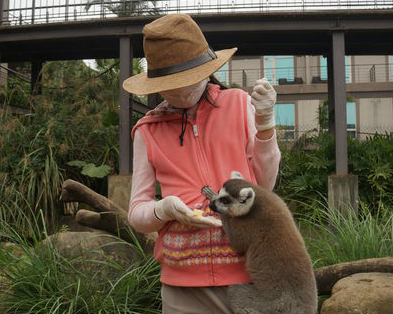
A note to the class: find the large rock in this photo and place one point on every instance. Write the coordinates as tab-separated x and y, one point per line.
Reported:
363	293
93	251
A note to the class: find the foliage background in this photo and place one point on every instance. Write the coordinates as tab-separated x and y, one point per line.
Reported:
75	118
306	165
75	123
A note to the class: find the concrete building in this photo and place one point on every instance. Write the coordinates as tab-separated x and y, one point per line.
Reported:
369	81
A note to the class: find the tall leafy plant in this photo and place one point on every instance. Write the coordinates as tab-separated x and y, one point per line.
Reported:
304	169
306	165
371	160
65	124
37	278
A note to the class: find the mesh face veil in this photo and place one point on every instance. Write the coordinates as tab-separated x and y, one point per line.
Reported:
185	97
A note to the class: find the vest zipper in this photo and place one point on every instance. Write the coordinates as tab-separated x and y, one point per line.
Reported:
203	160
195	129
205	170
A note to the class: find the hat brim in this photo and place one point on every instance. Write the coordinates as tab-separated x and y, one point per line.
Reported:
140	84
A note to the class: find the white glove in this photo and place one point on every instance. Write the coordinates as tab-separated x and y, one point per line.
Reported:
173	208
264	98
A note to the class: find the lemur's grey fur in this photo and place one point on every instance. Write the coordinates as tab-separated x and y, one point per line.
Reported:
259	224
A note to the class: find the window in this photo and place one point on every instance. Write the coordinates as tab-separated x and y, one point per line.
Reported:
222	74
277	67
347	69
351	119
391	68
285	121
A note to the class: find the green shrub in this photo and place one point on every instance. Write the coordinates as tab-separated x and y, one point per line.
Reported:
64	125
371	160
306	165
333	238
304	169
37	280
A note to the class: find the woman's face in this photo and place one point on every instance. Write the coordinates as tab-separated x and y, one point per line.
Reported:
185	97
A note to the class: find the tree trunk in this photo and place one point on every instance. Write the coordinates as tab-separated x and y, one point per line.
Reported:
108	215
327	276
112	218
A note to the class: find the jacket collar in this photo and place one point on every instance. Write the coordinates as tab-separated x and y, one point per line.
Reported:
163	112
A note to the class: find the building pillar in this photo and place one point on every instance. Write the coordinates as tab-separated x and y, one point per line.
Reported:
340	102
119	189
330	93
307	71
343	193
342	187
125	102
1	11
36	76
119	186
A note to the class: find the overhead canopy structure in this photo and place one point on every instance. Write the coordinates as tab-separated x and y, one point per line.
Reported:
297	33
333	34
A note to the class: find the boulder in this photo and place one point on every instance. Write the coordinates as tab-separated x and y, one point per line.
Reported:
362	293
96	251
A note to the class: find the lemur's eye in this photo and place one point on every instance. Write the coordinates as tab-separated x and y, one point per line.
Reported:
225	200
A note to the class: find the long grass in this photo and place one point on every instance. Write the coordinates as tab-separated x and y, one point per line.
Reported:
333	237
38	279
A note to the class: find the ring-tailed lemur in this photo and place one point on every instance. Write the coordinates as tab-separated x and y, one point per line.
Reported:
259	224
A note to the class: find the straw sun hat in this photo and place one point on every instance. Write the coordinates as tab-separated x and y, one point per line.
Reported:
177	55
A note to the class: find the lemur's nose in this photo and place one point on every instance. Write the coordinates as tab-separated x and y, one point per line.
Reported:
211	196
212	206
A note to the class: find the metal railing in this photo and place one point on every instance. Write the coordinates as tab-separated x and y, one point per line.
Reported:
362	131
17	12
362	73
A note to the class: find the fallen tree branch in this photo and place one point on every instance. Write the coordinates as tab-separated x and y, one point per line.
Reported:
73	191
112	218
108	215
327	276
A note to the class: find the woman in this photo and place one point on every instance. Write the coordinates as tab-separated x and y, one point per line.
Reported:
196	137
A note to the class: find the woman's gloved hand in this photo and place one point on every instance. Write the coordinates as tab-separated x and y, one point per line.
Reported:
264	98
173	208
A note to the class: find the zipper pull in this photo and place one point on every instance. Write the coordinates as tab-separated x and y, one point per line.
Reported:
195	129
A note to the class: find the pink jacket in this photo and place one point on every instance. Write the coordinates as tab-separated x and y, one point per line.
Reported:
216	142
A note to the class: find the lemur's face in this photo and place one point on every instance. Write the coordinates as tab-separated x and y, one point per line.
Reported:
233	205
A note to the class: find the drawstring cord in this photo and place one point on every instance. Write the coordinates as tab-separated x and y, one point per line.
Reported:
183	125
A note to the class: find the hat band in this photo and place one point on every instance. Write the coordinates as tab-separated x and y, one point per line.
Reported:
203	58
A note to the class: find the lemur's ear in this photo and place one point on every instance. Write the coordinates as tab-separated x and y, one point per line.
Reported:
246	194
236	175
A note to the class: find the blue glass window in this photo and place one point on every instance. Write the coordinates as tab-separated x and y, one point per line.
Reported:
221	74
285	114
324	69
285	120
284	67
351	119
351	115
347	70
269	69
277	67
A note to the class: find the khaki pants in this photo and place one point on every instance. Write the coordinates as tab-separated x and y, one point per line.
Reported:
199	300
